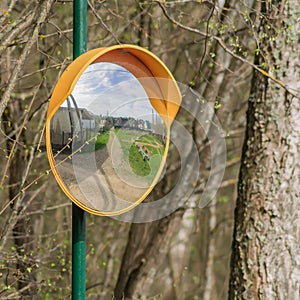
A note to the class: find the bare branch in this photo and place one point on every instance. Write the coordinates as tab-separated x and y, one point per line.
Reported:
220	41
18	67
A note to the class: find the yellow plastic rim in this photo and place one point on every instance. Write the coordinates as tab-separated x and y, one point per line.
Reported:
165	99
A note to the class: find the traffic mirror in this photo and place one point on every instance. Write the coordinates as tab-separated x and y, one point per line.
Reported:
108	127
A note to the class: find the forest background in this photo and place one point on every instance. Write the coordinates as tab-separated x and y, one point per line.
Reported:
243	59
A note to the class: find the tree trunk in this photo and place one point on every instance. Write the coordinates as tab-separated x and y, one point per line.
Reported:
147	246
211	249
265	260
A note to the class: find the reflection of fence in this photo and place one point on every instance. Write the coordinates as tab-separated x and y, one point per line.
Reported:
69	123
63	138
60	139
88	134
160	137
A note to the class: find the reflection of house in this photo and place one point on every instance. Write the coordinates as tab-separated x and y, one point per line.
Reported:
102	124
87	119
66	123
131	123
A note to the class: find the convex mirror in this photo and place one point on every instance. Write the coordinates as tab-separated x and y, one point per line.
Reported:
108	127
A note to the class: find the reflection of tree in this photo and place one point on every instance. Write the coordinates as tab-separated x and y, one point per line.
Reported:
131	123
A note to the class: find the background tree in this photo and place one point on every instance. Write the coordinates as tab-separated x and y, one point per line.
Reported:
266	252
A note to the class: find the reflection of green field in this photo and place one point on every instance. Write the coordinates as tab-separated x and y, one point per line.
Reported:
101	141
138	165
128	140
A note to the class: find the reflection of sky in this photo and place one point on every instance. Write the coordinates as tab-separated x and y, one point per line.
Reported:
109	89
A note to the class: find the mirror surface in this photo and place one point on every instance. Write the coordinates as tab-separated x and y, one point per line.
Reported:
107	140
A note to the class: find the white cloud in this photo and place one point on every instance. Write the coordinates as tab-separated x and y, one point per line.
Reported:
106	88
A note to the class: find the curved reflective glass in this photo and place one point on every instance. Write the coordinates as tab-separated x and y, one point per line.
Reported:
107	140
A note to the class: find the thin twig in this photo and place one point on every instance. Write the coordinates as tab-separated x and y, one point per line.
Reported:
224	47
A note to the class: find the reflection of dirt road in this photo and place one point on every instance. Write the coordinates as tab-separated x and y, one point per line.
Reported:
119	169
100	179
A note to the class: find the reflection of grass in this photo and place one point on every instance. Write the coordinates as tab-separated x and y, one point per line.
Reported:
126	138
127	134
138	165
155	148
101	141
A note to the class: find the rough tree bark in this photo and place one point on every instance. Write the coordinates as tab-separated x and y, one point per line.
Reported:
266	254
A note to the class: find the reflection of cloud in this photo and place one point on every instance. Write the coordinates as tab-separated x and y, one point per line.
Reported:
107	88
99	77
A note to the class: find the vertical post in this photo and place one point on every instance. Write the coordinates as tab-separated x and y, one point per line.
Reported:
78	215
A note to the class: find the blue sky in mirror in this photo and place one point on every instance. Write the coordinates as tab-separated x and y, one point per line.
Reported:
110	90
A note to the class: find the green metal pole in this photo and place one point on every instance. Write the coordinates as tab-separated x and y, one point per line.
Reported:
78	215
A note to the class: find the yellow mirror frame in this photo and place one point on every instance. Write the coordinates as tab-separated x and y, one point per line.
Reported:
163	94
